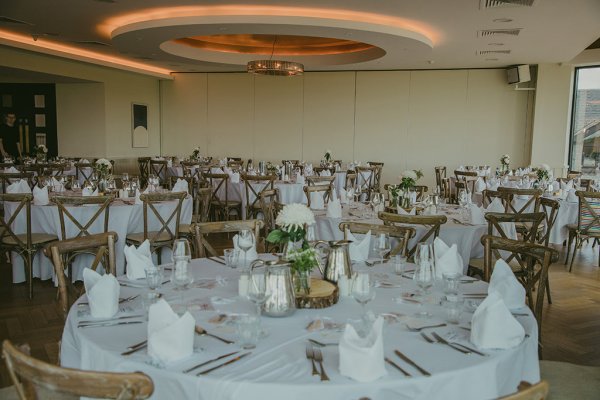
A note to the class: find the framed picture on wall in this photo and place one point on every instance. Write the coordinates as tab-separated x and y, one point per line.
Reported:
139	125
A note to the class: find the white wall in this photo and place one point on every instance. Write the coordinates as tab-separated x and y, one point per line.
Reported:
407	119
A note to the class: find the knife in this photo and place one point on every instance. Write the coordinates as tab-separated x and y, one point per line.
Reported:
134	349
224	364
411	362
109	324
102	321
209	361
399	368
215	259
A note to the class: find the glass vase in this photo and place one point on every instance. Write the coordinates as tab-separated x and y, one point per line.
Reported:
302	282
290	246
40	158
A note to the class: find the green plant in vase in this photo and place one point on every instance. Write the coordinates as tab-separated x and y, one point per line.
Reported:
408	181
41	152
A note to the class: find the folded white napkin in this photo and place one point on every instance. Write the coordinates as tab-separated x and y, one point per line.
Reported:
343	196
308	170
572	197
325	172
362	359
300	179
480	185
181	186
20	186
460	168
402	211
170	338
566	185
504	282
316	201
477	215
495	206
57	186
84	161
251	254
11	170
88	192
234	177
169	163
447	259
138	260
40	196
102	292
137	197
334	209
359	249
493	326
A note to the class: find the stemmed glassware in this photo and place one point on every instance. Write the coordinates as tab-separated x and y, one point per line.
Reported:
425	271
381	245
181	256
245	242
363	289
350	195
375	201
257	288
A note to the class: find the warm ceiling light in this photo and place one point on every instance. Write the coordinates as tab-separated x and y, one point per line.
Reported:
503	20
275	68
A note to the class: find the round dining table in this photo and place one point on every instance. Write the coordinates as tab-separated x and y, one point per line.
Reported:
278	368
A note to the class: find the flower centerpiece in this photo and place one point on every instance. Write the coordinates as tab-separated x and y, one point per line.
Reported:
195	154
41	152
292	222
504	164
543	173
272	169
408	181
103	168
328	157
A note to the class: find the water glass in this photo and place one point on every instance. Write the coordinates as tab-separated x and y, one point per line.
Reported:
453	307
451	283
154	278
381	245
248	330
257	288
231	257
363	288
425	273
245	242
399	263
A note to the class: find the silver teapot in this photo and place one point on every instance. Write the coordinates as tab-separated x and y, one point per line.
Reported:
282	299
338	260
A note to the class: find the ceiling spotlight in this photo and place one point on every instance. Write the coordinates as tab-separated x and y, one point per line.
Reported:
502	20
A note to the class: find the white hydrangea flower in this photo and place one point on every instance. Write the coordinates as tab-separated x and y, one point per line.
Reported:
105	162
409	174
545	167
295	216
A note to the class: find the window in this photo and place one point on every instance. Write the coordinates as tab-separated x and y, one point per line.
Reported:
585	123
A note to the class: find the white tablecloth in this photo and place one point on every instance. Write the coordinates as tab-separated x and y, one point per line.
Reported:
278	369
124	218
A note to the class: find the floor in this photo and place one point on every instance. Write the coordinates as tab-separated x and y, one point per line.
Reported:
571	328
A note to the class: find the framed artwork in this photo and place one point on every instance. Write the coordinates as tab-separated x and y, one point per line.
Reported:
139	125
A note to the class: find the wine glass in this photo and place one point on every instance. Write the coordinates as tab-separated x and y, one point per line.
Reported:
350	195
363	289
381	245
425	271
181	256
245	242
257	288
375	201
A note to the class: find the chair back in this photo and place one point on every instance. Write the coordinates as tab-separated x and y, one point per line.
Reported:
440	175
160	168
401	233
365	179
319	170
83	172
378	171
527	391
573	175
8	178
531	222
144	168
270	206
203	229
22	203
468	178
550	209
489	195
201	212
219	202
191	169
58	251
432	223
323	190
319	180
67	206
150	202
255	185
35	379
421	190
350	181
513	194
588	222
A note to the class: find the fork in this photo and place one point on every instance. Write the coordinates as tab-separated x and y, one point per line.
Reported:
444	341
318	356
321	344
427	338
310	356
424	327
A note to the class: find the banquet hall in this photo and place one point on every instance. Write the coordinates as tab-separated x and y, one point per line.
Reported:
269	199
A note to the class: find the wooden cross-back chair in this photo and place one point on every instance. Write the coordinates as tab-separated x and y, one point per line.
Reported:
432	223
36	379
160	168
84	172
271	206
588	223
550	209
191	169
254	185
440	175
468	178
513	195
323	190
401	233
421	190
8	178
527	391
350	181
144	168
103	245
446	189
489	195
220	205
202	230
573	175
378	171
319	180
364	179
25	244
236	165
319	170
534	258
165	235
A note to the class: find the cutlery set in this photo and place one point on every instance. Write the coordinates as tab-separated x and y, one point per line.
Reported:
410	362
314	354
123	300
454	345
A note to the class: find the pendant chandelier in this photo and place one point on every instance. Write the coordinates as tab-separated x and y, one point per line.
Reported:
275	67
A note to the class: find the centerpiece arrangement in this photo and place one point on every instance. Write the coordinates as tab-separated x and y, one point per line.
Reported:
328	157
504	164
291	236
272	169
41	152
103	169
195	156
408	181
543	176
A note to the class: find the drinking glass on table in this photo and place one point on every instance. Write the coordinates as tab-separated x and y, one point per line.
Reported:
181	257
425	267
350	195
381	245
375	201
363	288
257	288
245	242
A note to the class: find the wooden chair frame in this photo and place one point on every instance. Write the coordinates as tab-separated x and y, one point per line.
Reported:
584	231
434	222
378	171
468	178
527	391
26	372
326	189
266	182
350	180
144	168
319	180
440	175
216	181
149	201
203	229
104	203
8	178
365	178
511	193
402	233
160	168
421	190
270	206
80	169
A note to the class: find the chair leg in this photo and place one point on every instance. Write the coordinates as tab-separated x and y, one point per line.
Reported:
577	244
569	242
29	267
548	290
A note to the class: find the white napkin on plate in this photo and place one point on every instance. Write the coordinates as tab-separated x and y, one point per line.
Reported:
251	255
102	292
334	209
57	186
504	282
477	215
180	186
138	260
362	359
20	186
170	338
402	211
359	249
480	185
343	196
316	201
40	196
300	179
572	197
88	192
447	259
494	327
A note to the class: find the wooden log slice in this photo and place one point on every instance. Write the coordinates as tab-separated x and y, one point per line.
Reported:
323	294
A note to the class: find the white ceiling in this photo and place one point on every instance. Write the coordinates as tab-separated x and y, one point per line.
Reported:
415	34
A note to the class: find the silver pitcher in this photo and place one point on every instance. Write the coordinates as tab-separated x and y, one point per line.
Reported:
261	167
282	298
338	260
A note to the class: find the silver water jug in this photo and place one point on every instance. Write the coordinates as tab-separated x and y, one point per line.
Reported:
281	300
338	260
261	167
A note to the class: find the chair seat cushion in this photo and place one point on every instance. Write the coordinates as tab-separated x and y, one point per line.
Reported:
36	238
570	381
139	237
